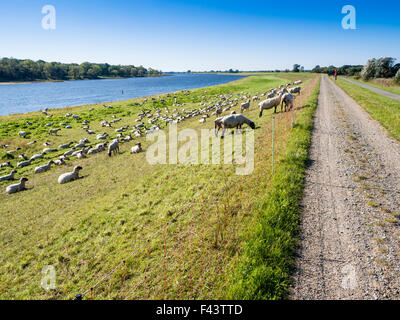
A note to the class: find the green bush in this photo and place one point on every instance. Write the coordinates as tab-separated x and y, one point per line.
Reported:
397	77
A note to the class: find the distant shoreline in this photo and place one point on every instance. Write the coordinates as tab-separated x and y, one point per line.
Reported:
100	78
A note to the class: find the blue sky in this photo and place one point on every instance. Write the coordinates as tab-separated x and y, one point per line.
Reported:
177	35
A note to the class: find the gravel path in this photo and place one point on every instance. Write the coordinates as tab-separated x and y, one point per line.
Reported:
376	90
350	219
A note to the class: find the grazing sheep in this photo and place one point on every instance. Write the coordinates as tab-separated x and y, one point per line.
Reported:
8	176
297	82
44	168
295	90
137	148
31	143
113	147
22	134
23	156
288	100
270	103
17	187
23	164
70	176
245	105
232	121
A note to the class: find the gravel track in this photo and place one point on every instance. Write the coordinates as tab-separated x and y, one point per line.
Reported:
350	228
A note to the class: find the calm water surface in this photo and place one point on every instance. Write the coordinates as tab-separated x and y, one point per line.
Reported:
28	97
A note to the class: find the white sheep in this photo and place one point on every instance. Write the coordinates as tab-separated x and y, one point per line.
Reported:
22	134
37	156
288	100
17	187
5	164
70	176
137	148
44	168
54	131
245	105
295	90
23	164
113	147
8	176
270	103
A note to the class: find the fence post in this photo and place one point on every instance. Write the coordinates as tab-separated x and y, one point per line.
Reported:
273	142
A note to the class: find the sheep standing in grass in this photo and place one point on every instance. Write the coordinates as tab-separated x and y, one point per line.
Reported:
17	187
288	100
269	104
70	176
137	148
295	90
232	121
113	147
8	176
44	168
37	156
245	106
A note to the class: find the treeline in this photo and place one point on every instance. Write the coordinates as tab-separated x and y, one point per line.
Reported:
346	70
375	68
28	70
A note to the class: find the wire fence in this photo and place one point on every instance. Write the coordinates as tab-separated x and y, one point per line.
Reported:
191	258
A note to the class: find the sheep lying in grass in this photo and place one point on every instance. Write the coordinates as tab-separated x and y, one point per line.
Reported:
113	147
17	187
297	82
37	156
70	176
5	164
54	131
137	148
8	176
232	121
245	105
44	168
23	164
65	146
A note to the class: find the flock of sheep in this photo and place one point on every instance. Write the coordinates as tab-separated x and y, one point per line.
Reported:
223	103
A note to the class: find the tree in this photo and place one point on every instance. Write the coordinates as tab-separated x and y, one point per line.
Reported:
384	67
369	70
397	77
296	68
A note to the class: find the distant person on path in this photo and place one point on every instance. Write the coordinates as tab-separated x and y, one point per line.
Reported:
335	74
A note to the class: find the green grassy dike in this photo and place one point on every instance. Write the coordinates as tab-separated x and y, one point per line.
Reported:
265	268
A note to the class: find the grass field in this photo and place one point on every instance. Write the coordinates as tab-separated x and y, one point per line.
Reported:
86	228
383	109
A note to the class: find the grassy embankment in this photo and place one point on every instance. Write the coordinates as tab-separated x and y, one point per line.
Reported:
265	267
87	227
383	109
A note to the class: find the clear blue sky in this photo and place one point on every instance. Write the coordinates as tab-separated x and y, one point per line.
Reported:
177	35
